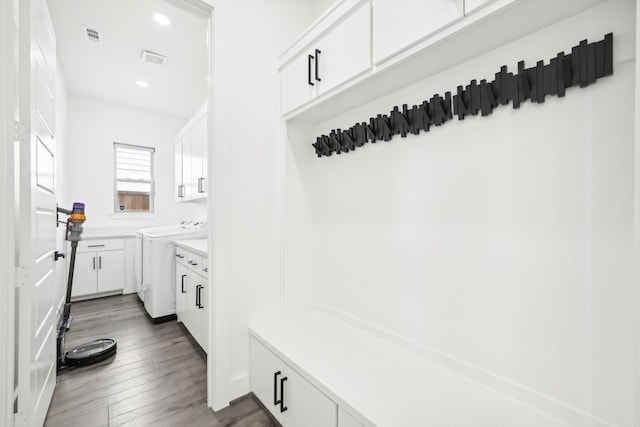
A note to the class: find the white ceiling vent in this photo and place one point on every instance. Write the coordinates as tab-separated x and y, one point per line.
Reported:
153	58
92	34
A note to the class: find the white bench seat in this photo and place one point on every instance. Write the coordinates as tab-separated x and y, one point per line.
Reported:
383	384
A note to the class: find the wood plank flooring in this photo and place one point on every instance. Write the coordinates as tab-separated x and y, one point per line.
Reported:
157	377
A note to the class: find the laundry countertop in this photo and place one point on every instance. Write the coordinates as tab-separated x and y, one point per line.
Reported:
199	246
93	233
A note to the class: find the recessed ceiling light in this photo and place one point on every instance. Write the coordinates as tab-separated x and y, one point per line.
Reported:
161	19
142	83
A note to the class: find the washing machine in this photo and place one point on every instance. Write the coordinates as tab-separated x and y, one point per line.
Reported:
155	265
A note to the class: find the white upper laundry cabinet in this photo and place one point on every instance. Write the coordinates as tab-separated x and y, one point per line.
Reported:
399	24
191	159
335	49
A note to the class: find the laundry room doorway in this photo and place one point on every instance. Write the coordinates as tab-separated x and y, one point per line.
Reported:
48	182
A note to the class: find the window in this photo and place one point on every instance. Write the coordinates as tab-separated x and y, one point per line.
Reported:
134	186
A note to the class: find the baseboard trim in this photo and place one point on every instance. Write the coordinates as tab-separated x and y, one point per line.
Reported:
532	397
240	385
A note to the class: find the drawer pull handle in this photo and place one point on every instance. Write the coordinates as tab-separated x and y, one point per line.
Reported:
318	52
202	185
282	407
309	70
192	263
95	246
205	269
179	256
275	388
200	287
183	277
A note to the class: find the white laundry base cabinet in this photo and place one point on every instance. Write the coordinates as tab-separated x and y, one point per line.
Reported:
191	291
316	370
99	268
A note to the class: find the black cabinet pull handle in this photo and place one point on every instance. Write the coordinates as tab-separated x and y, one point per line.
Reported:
318	52
94	263
282	407
192	263
200	296
183	277
197	296
100	263
275	388
309	71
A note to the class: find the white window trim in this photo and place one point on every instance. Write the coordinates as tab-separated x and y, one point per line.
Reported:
117	213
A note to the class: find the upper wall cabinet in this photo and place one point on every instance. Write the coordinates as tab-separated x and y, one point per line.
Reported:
360	50
333	51
399	24
191	159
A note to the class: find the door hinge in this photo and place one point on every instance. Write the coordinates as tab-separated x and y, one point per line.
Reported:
22	276
20	131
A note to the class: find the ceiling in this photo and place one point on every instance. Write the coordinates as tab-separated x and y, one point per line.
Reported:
109	69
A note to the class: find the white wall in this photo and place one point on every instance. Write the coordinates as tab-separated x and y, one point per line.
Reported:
245	169
93	126
318	7
500	246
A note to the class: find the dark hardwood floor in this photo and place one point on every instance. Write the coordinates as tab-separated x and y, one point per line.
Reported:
157	377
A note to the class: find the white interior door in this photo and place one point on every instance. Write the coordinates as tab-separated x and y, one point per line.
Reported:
8	113
37	316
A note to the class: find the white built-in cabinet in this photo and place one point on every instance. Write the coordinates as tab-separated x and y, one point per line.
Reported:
360	50
290	398
398	24
99	267
191	159
331	57
191	294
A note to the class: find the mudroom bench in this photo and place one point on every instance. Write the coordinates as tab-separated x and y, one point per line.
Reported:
319	371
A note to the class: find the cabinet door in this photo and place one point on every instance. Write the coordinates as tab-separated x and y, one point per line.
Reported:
85	274
398	24
295	89
345	51
265	382
190	314
202	317
178	187
182	289
187	175
306	405
110	265
198	157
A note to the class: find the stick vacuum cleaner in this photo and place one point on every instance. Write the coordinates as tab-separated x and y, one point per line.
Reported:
91	352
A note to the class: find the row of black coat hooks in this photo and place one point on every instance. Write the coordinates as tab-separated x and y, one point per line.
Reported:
586	63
